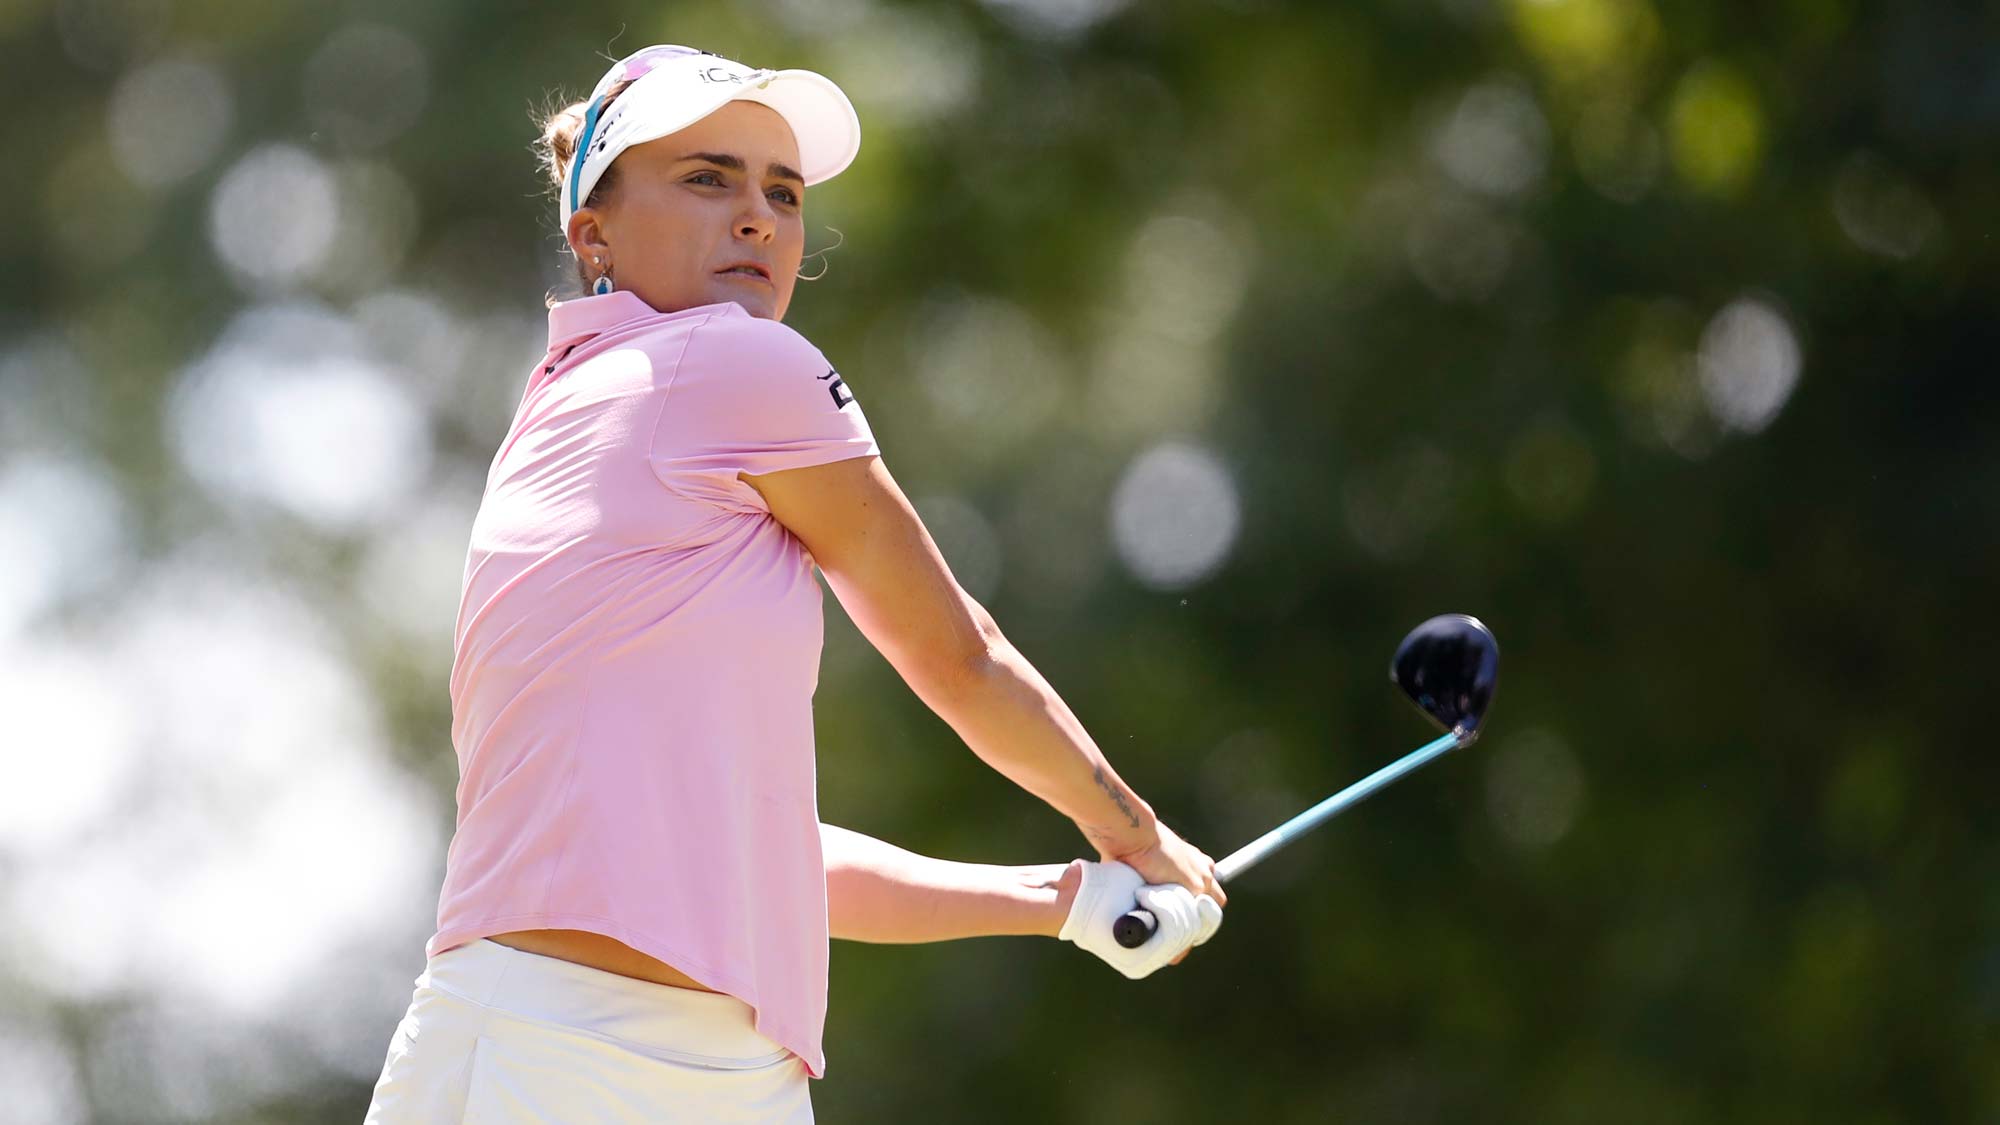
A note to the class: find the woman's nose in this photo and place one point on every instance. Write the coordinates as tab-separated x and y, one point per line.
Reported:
757	220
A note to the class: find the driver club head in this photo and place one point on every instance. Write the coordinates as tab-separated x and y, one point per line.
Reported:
1448	667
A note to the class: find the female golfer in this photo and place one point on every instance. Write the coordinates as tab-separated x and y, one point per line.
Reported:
637	899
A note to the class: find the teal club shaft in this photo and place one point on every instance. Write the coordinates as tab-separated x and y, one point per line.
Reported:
1250	854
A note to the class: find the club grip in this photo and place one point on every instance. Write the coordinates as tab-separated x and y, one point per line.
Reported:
1135	928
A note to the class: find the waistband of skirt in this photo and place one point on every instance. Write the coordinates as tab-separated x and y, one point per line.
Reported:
682	1024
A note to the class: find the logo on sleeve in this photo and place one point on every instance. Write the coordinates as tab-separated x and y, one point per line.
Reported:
837	388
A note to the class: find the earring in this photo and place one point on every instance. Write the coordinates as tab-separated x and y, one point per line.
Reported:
602	285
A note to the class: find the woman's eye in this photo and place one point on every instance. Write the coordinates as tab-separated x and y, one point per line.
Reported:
711	179
785	195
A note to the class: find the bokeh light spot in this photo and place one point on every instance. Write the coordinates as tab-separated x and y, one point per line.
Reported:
1534	788
168	119
1459	249
1157	363
1657	387
1056	18
1496	141
1618	152
988	367
414	331
814	17
274	216
1174	515
239	872
1749	362
1881	211
366	85
1715	130
72	734
905	67
1185	274
1586	40
287	408
62	533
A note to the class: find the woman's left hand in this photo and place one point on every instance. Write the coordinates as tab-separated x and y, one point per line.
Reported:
1171	859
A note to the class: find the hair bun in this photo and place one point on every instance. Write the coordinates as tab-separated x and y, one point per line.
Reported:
557	145
558	142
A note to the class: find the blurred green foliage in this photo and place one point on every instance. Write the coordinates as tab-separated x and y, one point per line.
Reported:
1491	302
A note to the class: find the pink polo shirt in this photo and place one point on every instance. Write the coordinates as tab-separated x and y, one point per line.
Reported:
636	651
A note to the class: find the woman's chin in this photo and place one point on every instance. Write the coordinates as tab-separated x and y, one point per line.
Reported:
756	304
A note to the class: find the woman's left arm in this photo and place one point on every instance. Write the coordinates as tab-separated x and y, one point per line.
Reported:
878	892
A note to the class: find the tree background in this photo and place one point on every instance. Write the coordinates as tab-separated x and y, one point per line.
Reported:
1220	344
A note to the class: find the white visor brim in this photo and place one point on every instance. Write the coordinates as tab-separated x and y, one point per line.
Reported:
682	91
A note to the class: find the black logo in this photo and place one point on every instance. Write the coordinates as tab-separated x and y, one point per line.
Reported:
837	388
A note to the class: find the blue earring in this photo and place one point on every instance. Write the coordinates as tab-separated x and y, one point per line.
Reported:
602	285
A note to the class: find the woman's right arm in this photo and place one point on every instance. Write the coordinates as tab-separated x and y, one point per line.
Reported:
878	892
889	576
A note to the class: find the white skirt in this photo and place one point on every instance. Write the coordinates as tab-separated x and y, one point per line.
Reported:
497	1035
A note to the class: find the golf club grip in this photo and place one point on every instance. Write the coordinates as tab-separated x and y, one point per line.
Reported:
1135	928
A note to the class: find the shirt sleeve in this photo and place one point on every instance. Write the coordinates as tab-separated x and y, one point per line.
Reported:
752	396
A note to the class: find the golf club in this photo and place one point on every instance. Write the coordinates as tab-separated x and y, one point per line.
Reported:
1447	666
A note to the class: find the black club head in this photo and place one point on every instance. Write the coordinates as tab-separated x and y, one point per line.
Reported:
1448	667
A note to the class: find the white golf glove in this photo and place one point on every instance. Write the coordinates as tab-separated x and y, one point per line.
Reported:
1184	918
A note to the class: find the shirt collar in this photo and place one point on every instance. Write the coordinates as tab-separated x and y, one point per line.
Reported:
570	321
576	320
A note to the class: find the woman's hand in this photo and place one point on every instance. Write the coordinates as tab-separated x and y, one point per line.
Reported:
1170	859
1108	890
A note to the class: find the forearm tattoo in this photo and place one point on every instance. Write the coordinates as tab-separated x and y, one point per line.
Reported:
1117	798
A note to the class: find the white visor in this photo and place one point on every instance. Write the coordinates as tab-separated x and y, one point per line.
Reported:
674	87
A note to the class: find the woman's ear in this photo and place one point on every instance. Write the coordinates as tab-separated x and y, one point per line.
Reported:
586	236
